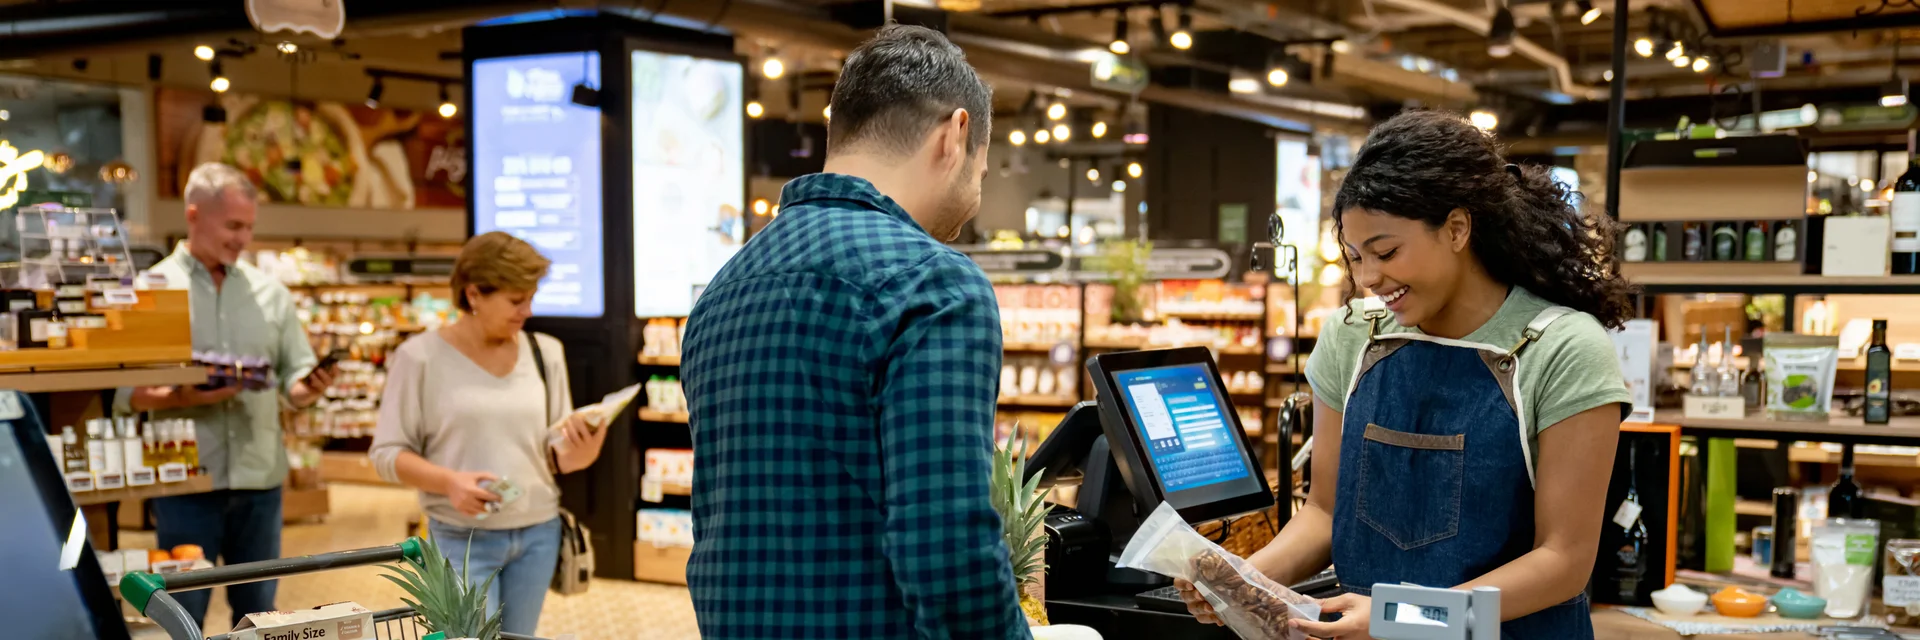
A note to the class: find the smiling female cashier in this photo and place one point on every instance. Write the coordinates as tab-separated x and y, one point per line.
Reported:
1466	416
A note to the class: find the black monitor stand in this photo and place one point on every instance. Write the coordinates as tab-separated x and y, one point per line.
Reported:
1085	542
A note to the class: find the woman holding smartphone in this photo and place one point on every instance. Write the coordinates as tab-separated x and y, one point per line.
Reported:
467	408
1465	416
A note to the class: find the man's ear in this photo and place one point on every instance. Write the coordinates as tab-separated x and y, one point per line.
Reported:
956	131
1459	227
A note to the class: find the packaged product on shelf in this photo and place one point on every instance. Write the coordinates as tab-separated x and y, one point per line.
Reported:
665	527
1252	605
665	395
1800	371
1900	584
1843	553
674	466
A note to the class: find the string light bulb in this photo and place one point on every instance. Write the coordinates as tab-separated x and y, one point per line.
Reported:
1701	64
1484	120
1182	37
1119	186
1042	137
1134	170
1644	47
1277	77
1119	45
1093	175
1099	129
204	53
219	84
773	68
1061	132
1681	62
1056	111
1017	138
447	107
760	206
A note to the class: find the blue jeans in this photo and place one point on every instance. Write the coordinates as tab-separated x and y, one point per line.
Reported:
232	526
524	557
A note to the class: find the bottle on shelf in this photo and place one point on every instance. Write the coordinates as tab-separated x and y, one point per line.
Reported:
1635	244
190	447
1703	377
1786	506
1906	220
1694	248
1728	383
171	444
113	453
96	448
1786	242
133	455
75	453
1843	501
1659	242
1756	241
1879	409
1726	241
1631	561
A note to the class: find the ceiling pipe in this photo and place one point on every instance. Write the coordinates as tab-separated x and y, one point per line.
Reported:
1562	73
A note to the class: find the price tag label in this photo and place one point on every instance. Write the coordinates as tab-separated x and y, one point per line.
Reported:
1901	591
120	297
1627	514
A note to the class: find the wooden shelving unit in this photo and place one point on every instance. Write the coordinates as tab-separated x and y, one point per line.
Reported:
43	381
649	415
193	484
676	489
1841	429
1038	401
1789	284
660	361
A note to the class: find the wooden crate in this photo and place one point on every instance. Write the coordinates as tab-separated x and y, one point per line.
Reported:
349	466
304	505
667	565
157	330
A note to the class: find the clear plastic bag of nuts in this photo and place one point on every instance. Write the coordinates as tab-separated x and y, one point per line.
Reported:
1252	605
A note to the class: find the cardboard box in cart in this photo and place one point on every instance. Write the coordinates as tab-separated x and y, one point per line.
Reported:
339	621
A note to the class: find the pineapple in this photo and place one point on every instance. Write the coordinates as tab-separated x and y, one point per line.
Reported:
1022	508
442	598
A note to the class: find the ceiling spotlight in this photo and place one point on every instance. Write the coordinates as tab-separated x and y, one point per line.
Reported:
1099	129
1119	44
1061	132
760	206
1682	62
1093	175
1056	111
1894	92
755	109
1017	138
219	84
1342	46
1588	12
1644	47
1277	77
1500	33
447	108
287	48
1134	170
5	115
1812	176
373	94
1182	38
203	52
1042	137
773	68
1701	64
1483	119
1119	186
1676	51
1243	85
1607	75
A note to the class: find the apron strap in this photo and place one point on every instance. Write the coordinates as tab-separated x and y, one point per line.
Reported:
1538	327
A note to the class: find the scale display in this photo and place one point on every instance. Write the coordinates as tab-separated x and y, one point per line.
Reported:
689	177
537	172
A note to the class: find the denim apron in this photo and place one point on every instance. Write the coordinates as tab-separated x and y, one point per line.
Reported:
1430	423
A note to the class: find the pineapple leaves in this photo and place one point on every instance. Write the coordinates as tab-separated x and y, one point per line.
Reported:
443	599
1022	507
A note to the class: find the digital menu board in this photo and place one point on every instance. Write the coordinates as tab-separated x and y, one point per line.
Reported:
689	177
536	172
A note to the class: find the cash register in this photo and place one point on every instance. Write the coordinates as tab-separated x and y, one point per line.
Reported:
1162	430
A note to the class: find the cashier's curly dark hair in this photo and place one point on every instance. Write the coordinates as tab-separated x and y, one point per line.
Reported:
1423	164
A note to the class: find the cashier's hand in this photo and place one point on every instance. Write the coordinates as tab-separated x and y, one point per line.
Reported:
1352	625
1196	604
463	489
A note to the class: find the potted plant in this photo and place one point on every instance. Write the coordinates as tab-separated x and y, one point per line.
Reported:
1023	509
1127	259
447	604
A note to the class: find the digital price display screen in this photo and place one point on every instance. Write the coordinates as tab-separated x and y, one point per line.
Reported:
1185	429
537	171
689	177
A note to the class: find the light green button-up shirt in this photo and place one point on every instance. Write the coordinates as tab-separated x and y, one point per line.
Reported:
249	314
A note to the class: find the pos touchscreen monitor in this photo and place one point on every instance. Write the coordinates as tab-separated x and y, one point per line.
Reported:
1175	434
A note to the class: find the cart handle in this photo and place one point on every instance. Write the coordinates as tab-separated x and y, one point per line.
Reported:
138	587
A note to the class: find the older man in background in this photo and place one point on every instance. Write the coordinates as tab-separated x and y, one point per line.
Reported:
241	311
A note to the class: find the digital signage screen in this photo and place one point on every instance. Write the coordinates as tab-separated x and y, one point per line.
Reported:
536	166
689	176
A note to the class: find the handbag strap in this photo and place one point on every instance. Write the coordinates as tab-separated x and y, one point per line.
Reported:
546	398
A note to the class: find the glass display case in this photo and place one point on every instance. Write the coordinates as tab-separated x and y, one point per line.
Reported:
49	245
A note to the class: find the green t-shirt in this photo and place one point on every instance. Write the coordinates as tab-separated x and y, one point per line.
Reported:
1570	369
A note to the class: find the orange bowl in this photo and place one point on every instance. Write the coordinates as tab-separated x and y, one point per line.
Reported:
188	552
158	555
1738	603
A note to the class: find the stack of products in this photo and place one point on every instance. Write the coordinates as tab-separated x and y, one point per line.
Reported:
40	319
661	337
1249	420
1210	298
665	527
299	266
120	562
113	453
1246	382
1038	314
665	395
1038	376
670	466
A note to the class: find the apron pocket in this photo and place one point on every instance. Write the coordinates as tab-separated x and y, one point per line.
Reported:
1410	485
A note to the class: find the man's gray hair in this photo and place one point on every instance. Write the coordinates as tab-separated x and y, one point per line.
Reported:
209	182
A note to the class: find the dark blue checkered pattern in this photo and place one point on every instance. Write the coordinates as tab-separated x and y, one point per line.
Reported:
842	373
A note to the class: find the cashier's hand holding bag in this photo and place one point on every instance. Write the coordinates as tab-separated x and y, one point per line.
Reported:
1353	624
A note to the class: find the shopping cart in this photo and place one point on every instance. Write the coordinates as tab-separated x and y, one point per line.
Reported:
150	593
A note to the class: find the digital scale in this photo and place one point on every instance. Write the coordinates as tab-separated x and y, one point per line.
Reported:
1406	612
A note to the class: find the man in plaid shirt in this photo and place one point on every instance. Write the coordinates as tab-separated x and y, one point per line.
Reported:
842	373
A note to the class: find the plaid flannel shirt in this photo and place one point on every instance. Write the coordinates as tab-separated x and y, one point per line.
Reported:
842	372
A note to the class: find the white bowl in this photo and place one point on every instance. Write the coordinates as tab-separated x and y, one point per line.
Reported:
1678	600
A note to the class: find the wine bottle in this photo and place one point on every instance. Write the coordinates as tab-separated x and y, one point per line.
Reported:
1844	500
1631	559
1756	241
1879	376
1906	220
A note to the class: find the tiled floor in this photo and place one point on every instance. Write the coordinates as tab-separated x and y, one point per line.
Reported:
365	516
